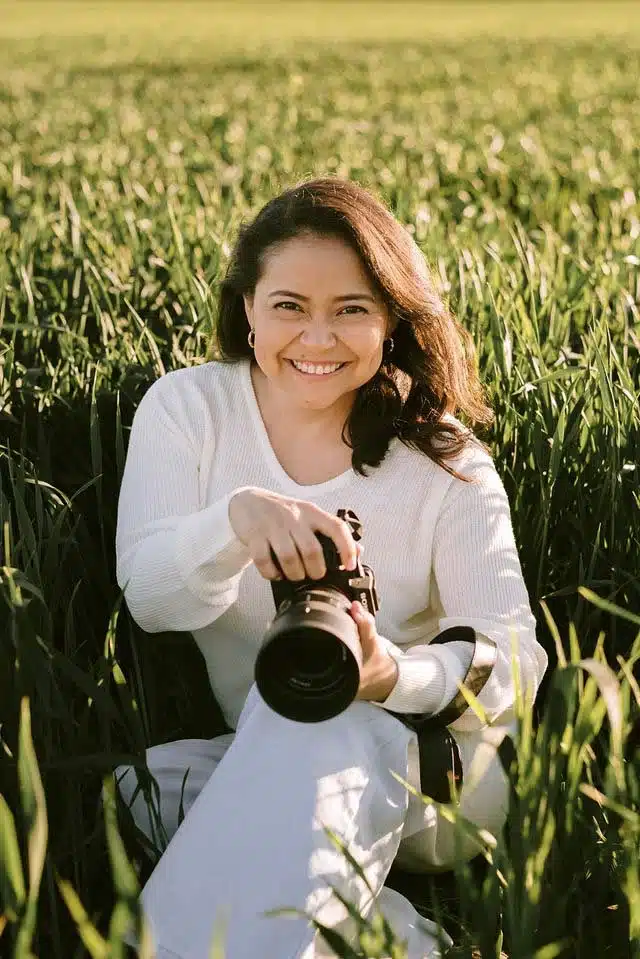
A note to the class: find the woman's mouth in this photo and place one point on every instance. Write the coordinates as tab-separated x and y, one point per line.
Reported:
317	370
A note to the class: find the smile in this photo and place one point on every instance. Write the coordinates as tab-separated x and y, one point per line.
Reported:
317	369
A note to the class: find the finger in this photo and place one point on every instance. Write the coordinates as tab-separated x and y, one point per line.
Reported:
262	557
361	615
366	628
340	532
287	555
310	550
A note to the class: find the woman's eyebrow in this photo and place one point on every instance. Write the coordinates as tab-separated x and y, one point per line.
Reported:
337	299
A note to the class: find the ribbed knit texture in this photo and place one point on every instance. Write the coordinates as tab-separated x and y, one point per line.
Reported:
442	551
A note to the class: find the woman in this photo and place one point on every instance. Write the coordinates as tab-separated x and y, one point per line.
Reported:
333	383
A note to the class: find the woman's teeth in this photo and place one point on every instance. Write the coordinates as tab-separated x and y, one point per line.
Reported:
317	369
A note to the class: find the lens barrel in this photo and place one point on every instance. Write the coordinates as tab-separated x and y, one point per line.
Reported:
308	667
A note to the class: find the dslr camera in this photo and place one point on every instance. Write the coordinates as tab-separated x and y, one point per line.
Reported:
308	666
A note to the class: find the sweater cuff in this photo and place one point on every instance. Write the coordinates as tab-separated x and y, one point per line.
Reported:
427	677
208	552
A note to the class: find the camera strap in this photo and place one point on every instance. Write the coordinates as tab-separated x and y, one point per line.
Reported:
439	753
485	654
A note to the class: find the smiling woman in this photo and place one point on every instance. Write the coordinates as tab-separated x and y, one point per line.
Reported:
332	352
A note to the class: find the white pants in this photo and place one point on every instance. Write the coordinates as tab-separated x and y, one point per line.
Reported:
252	837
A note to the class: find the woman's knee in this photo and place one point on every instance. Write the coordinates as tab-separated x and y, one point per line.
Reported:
152	796
160	793
348	760
360	717
484	802
139	793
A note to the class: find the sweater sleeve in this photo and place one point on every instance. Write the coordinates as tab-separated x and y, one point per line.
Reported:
179	565
479	580
427	676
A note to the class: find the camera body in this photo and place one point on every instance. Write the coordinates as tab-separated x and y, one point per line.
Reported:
308	666
355	584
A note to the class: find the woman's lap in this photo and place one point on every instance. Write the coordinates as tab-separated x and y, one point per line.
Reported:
183	767
251	796
254	838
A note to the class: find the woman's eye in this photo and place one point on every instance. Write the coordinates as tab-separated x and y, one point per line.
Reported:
287	303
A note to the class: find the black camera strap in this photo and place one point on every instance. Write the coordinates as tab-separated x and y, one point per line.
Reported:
485	654
438	750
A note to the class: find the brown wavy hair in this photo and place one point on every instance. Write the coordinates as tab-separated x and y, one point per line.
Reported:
432	370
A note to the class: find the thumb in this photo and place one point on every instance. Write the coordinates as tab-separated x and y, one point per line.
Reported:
364	621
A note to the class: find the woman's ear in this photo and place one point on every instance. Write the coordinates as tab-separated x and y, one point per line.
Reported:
248	305
392	322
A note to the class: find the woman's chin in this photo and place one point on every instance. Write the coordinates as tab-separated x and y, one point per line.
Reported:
312	397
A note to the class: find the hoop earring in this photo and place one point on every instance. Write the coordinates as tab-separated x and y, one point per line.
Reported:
251	339
389	344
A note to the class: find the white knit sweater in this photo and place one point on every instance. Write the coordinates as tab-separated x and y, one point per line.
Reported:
442	551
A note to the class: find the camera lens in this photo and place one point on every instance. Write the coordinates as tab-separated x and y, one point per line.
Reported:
308	667
311	658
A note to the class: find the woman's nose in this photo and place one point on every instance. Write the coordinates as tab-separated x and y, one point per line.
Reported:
318	334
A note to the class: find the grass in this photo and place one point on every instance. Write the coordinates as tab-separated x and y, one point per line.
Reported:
134	139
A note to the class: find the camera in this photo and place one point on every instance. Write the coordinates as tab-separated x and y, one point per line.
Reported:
308	666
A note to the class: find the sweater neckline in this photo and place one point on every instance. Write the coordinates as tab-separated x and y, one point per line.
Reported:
276	468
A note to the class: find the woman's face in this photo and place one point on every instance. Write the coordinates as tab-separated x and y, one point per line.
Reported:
319	323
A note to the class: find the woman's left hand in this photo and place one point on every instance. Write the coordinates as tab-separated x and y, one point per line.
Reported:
379	672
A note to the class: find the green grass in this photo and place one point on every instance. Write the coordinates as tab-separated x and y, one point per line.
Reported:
134	139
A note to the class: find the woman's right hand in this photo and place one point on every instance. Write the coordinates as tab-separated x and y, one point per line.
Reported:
266	521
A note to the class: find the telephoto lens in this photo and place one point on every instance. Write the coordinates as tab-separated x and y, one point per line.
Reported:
308	666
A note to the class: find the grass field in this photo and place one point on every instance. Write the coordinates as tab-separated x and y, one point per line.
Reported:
250	24
134	140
